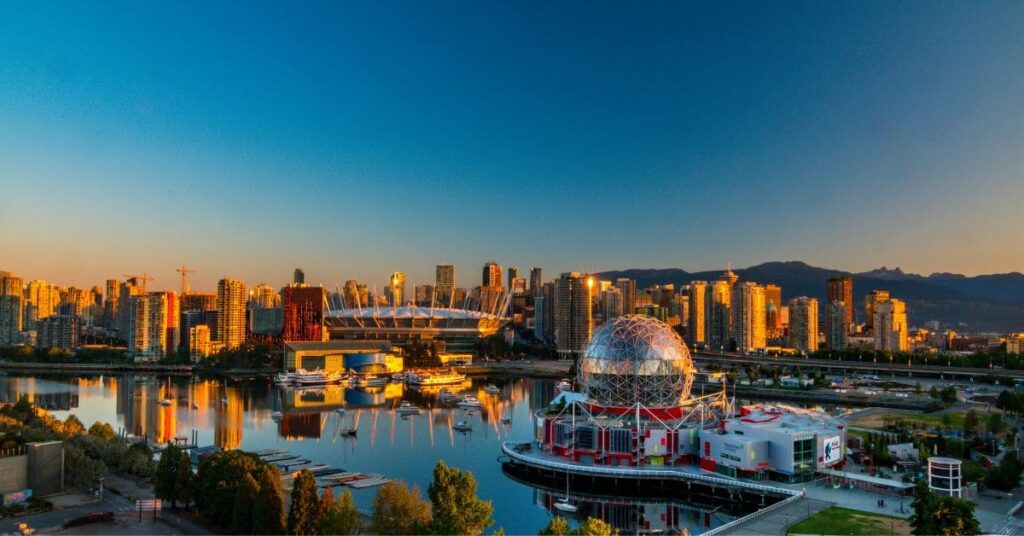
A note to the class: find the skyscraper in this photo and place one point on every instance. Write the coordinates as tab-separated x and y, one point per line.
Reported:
111	301
513	274
264	296
840	289
772	309
299	277
396	289
231	298
41	301
890	326
719	303
871	300
11	309
536	281
611	304
164	333
538	318
135	311
696	329
748	317
351	293
836	333
444	286
303	314
130	288
492	275
628	288
491	290
803	323
573	320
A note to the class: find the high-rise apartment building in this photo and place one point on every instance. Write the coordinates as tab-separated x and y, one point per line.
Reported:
573	318
264	296
611	304
396	290
231	297
840	289
351	294
492	275
59	331
41	301
513	274
871	300
199	342
111	301
548	293
11	308
890	326
836	334
748	317
304	314
538	318
696	329
130	288
536	281
136	315
719	318
772	308
628	288
299	277
164	326
491	291
444	286
803	323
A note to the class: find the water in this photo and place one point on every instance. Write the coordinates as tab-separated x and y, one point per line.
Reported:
238	414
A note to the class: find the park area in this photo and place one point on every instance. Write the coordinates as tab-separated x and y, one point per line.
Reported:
878	419
836	520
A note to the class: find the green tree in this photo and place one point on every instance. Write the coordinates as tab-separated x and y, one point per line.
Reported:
594	527
558	526
455	507
245	497
923	506
994	423
398	509
1006	475
970	423
72	427
165	483
183	480
341	517
218	477
955	517
102	430
268	510
302	516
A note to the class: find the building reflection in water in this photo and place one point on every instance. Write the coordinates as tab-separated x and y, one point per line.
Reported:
58	395
227	433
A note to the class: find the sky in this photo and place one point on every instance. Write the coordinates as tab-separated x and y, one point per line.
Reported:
354	139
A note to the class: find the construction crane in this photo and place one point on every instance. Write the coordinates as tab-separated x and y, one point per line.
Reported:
144	278
184	271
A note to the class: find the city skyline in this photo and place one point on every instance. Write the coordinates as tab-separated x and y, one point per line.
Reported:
363	138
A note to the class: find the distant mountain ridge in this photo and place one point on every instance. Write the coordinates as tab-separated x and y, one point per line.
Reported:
993	302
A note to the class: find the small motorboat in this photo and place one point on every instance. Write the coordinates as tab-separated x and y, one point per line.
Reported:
166	402
408	408
470	401
446	396
492	389
462	426
565	506
506	420
195	405
340	411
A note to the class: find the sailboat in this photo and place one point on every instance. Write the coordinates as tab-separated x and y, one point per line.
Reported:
564	504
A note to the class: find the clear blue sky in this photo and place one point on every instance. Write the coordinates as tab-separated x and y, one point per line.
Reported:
355	139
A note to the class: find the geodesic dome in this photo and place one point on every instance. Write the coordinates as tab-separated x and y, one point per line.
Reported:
636	359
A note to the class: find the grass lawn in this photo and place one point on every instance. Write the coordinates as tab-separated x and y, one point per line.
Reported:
877	419
836	520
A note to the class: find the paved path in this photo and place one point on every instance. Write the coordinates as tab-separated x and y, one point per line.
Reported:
777	522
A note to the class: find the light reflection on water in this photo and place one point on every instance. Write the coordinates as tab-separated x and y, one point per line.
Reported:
239	414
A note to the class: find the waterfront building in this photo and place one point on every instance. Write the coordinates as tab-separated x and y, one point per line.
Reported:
803	323
836	334
164	318
611	304
696	328
130	288
840	289
396	289
59	331
444	286
748	317
628	288
719	302
536	281
455	330
890	326
199	342
573	314
137	318
303	313
11	309
364	357
231	298
871	300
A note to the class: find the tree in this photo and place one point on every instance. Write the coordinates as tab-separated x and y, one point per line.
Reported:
397	509
1006	475
594	527
455	507
955	517
72	427
218	477
923	505
341	517
183	480
970	423
245	497
268	510
558	526
165	483
302	516
994	423
102	430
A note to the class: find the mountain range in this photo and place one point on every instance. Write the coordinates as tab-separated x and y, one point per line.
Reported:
983	303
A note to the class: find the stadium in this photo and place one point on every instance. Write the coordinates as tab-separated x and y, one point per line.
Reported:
453	330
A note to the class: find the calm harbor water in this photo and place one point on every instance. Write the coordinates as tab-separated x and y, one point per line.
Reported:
240	414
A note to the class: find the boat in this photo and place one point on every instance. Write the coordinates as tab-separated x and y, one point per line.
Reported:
564	385
316	377
398	377
340	411
408	408
506	419
564	504
462	426
276	415
492	389
374	381
284	378
195	405
470	401
440	378
445	395
166	402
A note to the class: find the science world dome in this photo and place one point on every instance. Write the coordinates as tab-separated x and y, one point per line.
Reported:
636	359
